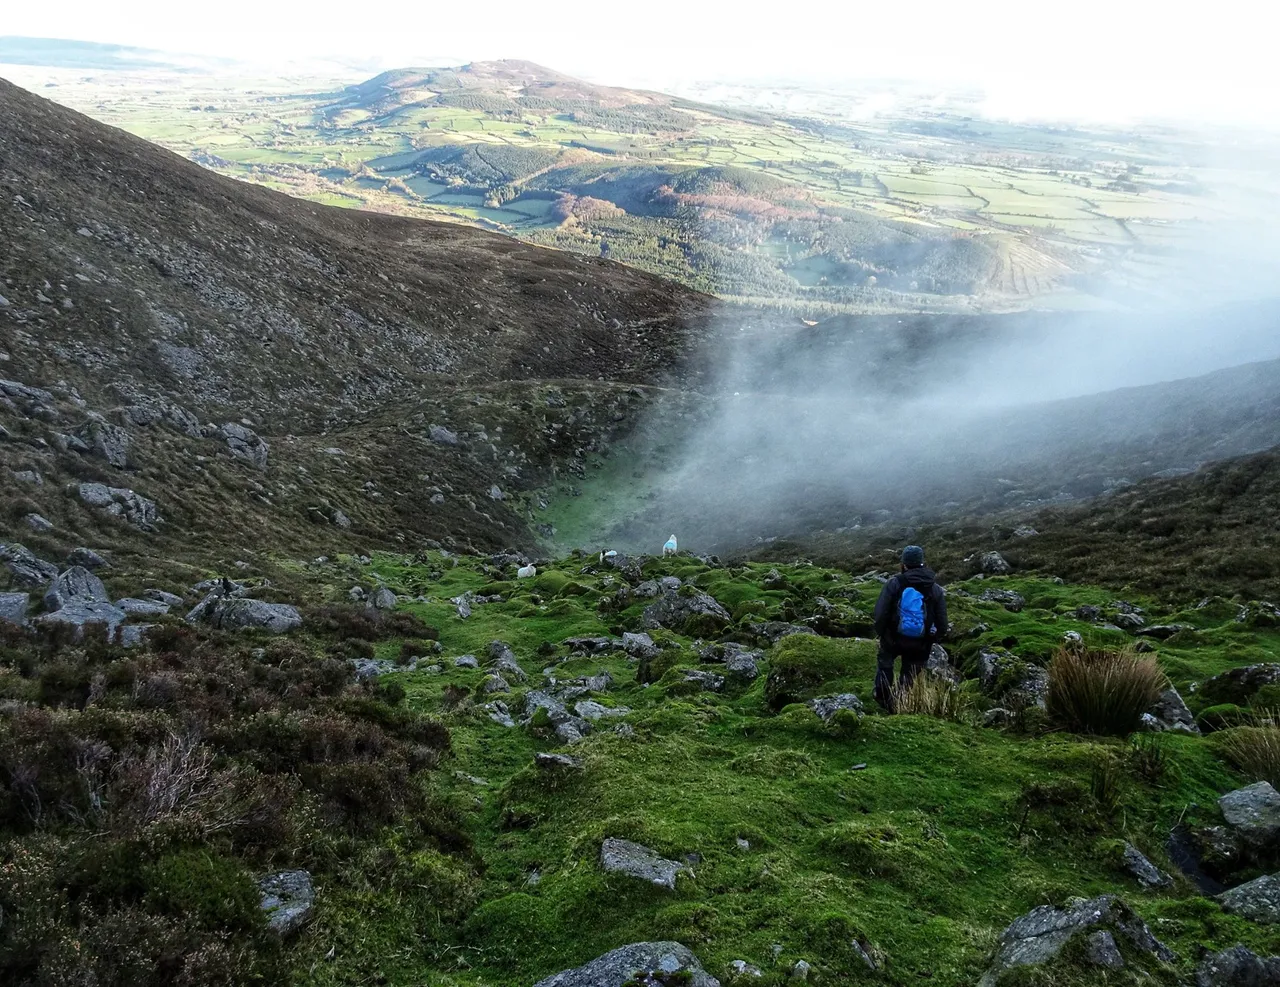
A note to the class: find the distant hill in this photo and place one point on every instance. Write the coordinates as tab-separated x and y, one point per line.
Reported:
406	376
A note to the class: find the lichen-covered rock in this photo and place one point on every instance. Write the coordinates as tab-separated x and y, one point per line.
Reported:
1169	712
142	608
773	631
1238	966
828	706
1007	598
939	665
1238	685
638	861
658	962
383	599
245	444
82	612
1252	814
13	608
288	899
742	666
593	711
121	502
639	646
87	558
707	681
1258	900
692	612
1001	674
110	442
1039	937
994	564
25	570
1147	873
502	659
77	583
235	613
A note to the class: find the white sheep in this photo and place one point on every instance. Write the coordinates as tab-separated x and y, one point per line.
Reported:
527	571
670	547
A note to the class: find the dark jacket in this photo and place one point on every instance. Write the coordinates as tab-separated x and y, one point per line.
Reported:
886	617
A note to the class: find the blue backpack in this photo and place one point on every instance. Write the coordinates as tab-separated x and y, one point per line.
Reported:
912	613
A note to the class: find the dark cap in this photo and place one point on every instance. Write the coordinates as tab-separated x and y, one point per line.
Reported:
913	556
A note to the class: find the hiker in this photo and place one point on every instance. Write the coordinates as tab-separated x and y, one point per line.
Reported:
911	615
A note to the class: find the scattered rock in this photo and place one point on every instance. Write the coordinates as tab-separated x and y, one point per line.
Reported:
77	583
593	711
801	970
160	596
1025	532
123	503
87	558
1147	873
29	476
288	898
1007	598
1039	936
495	683
1238	966
648	959
939	664
110	442
132	635
497	711
638	861
1258	900
1169	712
24	568
440	434
1237	685
741	968
1031	683
503	660
13	608
709	681
590	645
142	608
245	444
81	612
1101	950
742	666
640	646
994	564
696	614
383	599
37	523
466	661
1162	632
233	613
828	706
1089	614
1253	814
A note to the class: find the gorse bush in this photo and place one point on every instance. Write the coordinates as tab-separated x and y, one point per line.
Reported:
1102	691
1255	750
928	695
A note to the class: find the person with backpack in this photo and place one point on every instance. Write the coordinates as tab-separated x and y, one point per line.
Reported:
910	617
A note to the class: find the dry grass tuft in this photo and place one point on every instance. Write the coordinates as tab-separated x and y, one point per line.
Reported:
1102	691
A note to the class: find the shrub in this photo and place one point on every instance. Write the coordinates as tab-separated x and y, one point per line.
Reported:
1223	716
1102	691
928	695
802	664
1255	751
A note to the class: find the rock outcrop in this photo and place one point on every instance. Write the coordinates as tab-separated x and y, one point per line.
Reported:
656	962
638	861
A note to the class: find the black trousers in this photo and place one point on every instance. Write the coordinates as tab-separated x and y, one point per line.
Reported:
913	661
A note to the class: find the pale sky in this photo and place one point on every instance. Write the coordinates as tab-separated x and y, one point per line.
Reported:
1094	58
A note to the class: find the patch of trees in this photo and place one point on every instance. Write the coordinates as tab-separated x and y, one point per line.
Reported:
640	119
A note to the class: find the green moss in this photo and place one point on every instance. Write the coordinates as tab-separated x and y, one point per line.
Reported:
215	892
802	665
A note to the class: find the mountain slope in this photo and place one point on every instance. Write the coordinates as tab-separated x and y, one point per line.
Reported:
136	282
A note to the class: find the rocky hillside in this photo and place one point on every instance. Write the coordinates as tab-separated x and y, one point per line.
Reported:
249	361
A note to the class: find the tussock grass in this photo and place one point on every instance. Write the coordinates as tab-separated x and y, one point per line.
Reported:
1255	750
928	695
1102	691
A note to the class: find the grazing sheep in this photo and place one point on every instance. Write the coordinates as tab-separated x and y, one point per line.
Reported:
670	547
527	571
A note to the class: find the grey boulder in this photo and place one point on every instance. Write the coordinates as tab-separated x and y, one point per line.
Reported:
142	608
383	599
1039	937
1169	712
1147	873
24	568
234	613
1258	901
160	596
828	706
650	960
1252	814
695	613
86	557
288	899
77	583
245	444
639	646
1238	966
81	612
122	503
13	608
742	666
994	564
638	861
